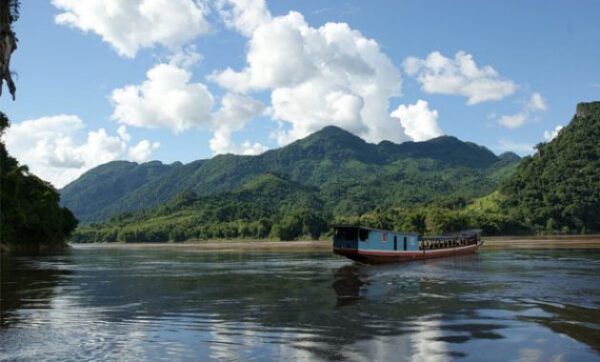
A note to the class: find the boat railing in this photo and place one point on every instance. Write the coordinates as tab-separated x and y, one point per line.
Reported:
455	240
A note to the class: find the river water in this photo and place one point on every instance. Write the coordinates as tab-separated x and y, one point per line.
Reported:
132	304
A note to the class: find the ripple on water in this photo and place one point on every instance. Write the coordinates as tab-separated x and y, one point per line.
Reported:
173	305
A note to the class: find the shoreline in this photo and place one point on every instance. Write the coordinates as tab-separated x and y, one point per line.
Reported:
498	242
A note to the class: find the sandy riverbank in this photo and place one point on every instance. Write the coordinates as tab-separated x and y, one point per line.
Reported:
510	242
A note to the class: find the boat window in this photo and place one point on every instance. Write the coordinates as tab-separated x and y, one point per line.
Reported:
363	234
347	233
384	236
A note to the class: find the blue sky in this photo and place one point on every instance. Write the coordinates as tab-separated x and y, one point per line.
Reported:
520	70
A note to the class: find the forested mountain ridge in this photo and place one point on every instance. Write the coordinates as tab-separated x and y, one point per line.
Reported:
350	175
558	188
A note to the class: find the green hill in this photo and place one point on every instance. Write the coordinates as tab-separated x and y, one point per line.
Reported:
349	175
266	205
558	188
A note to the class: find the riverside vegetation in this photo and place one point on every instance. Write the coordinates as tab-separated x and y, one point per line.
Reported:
333	176
31	218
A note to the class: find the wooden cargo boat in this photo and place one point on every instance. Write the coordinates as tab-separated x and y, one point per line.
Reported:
369	245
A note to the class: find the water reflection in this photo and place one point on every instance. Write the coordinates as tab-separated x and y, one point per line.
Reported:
29	286
167	304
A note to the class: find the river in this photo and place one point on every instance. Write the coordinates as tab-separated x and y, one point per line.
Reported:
133	304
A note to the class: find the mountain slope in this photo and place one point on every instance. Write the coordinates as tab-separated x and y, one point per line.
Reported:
558	188
250	210
96	194
350	174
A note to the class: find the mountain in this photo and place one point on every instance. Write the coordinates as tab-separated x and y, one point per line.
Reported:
96	192
251	210
558	188
349	175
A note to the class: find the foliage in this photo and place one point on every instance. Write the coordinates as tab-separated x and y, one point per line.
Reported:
29	207
558	188
9	13
334	177
349	175
265	206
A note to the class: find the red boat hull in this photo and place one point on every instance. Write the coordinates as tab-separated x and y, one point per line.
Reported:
377	257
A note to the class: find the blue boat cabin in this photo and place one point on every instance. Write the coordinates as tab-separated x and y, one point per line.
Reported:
365	238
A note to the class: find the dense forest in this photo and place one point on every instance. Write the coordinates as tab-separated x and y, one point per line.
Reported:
30	215
558	188
349	175
294	192
332	176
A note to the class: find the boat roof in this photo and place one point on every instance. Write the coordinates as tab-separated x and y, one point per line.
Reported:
349	226
448	236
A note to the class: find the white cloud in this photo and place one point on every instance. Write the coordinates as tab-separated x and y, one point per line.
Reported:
316	76
243	15
122	131
459	76
129	25
142	151
536	104
550	135
185	57
166	99
419	122
235	111
47	145
513	121
221	143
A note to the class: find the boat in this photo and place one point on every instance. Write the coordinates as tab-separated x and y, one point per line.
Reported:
370	245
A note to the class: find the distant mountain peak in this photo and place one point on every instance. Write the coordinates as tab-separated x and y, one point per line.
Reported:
509	156
307	163
332	133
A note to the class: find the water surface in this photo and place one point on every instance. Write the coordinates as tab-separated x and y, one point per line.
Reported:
168	304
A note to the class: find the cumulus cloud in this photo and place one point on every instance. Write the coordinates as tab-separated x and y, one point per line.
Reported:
316	76
536	104
419	122
166	99
235	111
142	151
48	146
459	76
243	15
129	26
550	135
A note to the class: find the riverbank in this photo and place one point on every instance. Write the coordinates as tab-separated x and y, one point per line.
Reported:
501	242
222	245
543	242
33	249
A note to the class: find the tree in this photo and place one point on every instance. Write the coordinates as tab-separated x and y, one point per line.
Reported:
9	13
29	207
